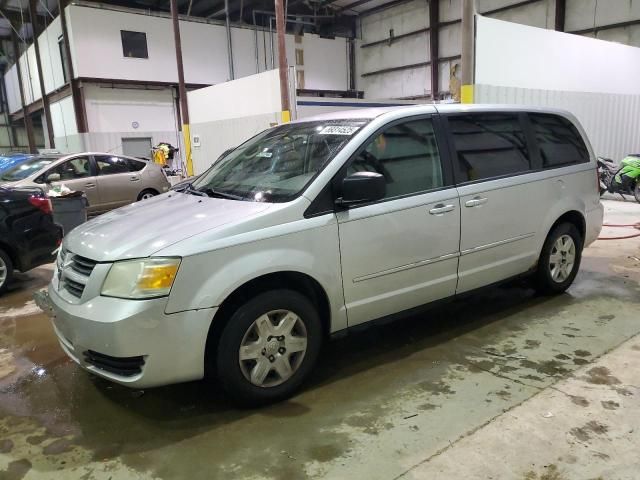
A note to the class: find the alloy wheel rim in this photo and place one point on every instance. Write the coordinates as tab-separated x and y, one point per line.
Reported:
562	258
3	272
146	196
273	348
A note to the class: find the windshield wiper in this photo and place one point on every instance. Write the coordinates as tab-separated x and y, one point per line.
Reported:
217	193
189	189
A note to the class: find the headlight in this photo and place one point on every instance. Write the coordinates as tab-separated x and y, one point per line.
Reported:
139	279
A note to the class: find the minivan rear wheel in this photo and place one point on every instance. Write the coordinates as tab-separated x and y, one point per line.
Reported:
559	260
6	271
268	347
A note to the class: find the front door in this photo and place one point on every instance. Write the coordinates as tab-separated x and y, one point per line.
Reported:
77	175
118	184
400	252
499	198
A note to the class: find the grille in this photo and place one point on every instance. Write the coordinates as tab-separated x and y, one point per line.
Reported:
83	265
73	287
74	272
124	366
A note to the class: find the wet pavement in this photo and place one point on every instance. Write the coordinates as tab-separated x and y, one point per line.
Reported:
381	402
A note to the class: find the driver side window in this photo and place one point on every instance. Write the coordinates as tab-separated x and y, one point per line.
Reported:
73	169
406	154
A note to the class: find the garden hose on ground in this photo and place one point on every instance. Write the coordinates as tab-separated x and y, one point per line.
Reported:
629	225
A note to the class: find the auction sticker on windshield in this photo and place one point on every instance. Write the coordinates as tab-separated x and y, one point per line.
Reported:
339	130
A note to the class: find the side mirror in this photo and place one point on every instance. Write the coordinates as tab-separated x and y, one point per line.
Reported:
53	177
362	187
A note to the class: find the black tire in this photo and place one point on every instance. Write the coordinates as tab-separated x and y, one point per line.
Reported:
636	191
145	194
543	280
228	365
6	271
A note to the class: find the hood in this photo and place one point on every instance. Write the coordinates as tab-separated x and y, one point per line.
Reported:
143	228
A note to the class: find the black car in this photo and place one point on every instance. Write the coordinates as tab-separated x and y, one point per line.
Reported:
28	236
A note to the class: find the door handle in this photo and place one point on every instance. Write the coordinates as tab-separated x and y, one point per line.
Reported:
90	185
134	179
477	201
441	208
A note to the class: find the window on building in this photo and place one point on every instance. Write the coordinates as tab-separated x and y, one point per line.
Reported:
560	142
489	145
407	155
63	58
134	44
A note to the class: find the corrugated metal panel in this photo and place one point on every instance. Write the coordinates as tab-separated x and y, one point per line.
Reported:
611	121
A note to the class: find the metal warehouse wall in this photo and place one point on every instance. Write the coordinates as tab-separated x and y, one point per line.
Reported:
393	60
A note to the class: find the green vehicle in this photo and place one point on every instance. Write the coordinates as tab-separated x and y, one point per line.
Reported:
623	179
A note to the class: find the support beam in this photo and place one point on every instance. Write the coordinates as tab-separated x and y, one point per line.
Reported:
33	6
77	97
28	126
282	61
181	88
610	26
468	50
434	49
561	7
229	45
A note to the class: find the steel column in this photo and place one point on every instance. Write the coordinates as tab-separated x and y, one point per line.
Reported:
181	88
229	46
434	50
33	15
76	95
282	62
561	6
468	53
28	126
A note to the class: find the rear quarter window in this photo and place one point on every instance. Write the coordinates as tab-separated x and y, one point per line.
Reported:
559	141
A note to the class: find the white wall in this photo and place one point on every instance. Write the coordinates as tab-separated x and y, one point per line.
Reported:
95	35
256	94
225	115
595	80
512	55
116	109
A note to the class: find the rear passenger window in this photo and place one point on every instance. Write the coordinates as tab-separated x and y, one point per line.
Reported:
489	145
135	165
406	155
111	165
559	140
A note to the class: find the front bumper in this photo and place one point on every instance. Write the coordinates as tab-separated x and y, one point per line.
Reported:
171	346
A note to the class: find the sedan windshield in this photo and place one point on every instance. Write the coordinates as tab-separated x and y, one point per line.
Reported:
277	164
25	169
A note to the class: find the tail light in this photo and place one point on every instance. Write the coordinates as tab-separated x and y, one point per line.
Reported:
41	203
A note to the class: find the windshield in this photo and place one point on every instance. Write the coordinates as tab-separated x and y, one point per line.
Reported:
25	169
277	164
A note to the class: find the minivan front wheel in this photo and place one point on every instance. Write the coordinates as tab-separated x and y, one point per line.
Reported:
560	259
268	347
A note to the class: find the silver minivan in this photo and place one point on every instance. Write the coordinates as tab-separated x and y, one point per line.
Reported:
315	226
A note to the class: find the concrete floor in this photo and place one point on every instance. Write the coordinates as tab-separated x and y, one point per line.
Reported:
504	385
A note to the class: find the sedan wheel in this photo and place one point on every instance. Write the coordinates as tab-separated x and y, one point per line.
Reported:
273	348
6	271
